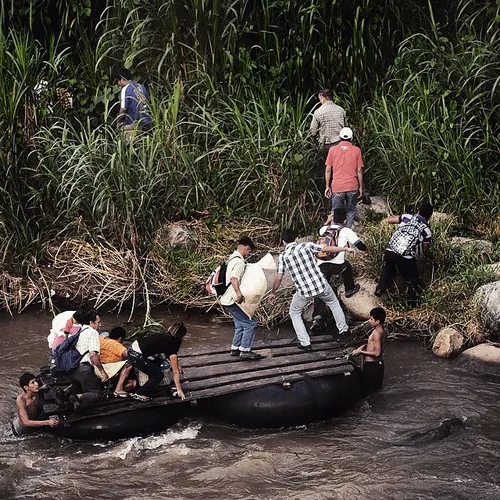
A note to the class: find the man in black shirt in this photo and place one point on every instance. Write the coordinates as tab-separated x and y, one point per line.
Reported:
168	344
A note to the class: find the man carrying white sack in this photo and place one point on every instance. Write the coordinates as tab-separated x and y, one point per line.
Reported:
244	327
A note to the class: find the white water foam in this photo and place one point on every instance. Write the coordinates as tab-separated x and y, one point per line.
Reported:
156	442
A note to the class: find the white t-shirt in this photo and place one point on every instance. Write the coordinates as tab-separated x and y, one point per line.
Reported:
346	236
235	269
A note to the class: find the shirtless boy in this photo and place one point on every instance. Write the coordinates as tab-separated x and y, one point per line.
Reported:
372	352
27	407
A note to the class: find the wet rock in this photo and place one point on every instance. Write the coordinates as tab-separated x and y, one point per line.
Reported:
361	303
484	358
448	343
488	300
378	205
478	247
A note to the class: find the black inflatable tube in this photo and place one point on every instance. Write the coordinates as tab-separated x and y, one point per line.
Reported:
305	401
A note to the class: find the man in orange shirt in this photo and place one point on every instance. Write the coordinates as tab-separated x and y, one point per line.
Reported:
344	175
113	351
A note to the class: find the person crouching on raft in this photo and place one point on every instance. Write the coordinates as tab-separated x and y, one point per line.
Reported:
168	344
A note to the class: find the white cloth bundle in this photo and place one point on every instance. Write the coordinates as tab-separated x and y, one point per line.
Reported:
253	284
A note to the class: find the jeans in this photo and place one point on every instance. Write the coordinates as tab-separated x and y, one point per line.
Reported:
150	368
408	269
328	269
299	302
244	328
90	385
347	200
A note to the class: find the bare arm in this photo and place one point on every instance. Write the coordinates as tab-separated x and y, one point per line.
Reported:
96	361
328	178
276	283
333	249
376	349
393	219
174	363
26	420
124	354
236	285
359	173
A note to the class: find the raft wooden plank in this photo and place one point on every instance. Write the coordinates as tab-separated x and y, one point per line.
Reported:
243	386
260	344
225	358
216	381
206	371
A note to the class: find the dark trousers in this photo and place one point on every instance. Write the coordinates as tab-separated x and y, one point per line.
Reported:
150	368
408	269
91	389
320	166
372	376
329	270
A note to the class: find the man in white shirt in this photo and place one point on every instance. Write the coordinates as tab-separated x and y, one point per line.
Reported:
337	265
244	327
88	343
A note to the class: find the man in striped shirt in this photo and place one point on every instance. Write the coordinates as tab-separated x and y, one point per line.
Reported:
300	260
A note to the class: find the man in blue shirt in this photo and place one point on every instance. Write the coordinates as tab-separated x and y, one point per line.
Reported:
134	102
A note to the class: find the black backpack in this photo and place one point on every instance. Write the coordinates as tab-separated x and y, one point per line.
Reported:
66	357
216	282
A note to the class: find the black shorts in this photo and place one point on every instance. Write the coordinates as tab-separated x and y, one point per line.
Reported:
372	376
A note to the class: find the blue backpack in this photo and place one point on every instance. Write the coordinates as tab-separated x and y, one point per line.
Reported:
66	357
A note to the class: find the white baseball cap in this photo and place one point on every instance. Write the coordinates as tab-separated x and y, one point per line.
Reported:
346	133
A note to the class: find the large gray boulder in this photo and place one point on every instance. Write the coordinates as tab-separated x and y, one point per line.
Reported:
488	300
484	358
478	247
378	205
448	343
360	304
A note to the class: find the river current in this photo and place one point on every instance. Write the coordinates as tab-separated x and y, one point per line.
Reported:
369	452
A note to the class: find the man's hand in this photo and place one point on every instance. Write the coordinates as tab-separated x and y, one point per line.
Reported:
358	350
52	422
104	375
328	192
350	249
329	219
360	191
240	299
272	297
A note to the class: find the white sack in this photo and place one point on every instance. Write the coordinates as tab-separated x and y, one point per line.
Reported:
58	325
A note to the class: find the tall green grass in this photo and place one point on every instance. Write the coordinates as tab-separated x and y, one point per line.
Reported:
433	131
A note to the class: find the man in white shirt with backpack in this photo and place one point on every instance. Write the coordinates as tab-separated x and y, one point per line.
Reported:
244	327
412	235
336	233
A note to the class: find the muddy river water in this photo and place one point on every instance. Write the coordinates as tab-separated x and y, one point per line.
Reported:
370	452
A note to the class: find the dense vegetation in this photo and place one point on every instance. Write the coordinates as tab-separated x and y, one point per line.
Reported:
232	85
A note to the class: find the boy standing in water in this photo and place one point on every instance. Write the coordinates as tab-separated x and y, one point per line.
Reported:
373	351
27	407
